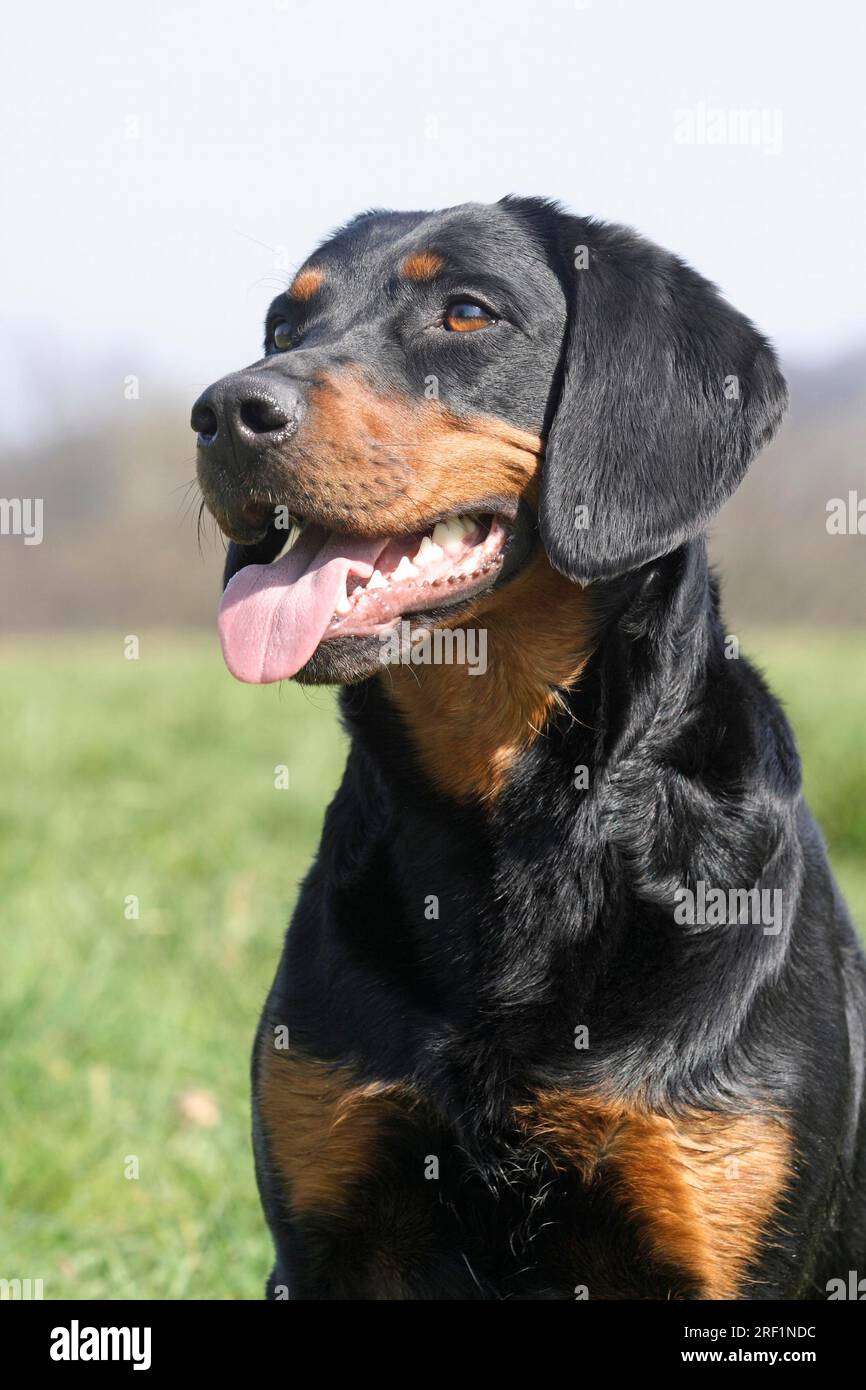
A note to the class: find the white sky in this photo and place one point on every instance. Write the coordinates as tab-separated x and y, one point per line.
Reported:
263	124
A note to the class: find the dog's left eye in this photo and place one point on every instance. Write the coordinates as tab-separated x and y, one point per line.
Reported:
466	317
282	335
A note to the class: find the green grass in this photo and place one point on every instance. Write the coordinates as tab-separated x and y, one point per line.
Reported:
155	778
820	678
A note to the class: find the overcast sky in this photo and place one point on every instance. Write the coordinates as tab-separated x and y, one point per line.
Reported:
165	163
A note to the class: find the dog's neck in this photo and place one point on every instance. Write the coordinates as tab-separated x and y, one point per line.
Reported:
660	724
469	724
567	669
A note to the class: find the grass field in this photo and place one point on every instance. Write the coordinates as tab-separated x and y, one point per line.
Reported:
126	1039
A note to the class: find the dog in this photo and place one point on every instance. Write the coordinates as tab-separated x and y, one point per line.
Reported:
570	1005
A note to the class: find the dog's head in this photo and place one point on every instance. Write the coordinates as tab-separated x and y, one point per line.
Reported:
447	399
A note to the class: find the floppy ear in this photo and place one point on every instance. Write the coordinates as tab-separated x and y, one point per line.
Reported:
667	394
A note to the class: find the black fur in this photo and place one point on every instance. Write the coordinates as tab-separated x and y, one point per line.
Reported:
668	394
556	904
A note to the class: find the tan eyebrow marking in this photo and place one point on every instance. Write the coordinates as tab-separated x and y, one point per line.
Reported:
307	283
423	265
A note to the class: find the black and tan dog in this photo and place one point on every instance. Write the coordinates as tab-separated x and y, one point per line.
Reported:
573	1005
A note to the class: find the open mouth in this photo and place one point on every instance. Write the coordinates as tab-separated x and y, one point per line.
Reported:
326	584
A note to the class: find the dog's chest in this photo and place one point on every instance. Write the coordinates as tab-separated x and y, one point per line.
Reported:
580	1199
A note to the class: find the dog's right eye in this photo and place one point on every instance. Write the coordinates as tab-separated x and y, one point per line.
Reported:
282	335
465	316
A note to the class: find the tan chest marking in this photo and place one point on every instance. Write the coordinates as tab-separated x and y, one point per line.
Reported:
323	1129
467	730
702	1188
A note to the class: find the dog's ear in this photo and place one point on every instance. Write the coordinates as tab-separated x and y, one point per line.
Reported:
666	395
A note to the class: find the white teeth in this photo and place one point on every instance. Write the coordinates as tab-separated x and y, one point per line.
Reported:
448	532
405	569
442	533
294	533
428	550
377	581
466	524
343	605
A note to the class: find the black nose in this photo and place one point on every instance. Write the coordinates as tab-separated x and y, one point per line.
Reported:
245	410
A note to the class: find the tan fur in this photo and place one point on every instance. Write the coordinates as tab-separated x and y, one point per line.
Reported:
323	1128
374	464
703	1188
469	730
377	465
307	283
383	465
423	265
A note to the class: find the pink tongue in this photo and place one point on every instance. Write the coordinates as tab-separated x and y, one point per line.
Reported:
273	617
